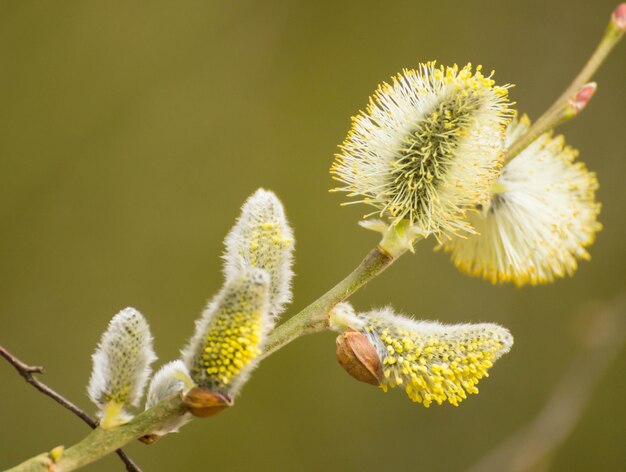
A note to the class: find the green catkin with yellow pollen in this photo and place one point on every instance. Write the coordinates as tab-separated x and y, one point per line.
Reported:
426	149
229	336
430	361
427	152
440	363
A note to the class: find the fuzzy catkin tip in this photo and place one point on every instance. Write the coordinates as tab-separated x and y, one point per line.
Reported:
262	238
121	366
171	379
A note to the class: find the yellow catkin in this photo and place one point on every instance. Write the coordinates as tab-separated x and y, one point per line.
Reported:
426	148
230	335
541	216
231	344
434	362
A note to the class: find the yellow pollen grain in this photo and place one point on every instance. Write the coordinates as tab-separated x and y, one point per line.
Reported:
231	344
436	367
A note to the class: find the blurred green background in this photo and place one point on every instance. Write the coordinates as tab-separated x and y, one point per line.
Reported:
133	131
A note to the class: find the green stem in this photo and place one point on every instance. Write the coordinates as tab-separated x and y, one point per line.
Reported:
101	442
314	317
563	109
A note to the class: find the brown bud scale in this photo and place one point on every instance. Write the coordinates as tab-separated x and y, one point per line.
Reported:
203	403
149	438
359	358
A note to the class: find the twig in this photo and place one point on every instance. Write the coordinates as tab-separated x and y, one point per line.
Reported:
569	104
533	446
314	317
27	371
100	442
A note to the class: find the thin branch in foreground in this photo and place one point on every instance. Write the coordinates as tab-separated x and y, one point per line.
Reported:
28	371
533	446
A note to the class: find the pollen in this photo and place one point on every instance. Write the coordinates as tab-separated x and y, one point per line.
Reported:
541	216
230	345
230	336
433	362
427	147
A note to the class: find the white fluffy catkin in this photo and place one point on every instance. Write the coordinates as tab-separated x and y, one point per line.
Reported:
172	378
121	367
262	238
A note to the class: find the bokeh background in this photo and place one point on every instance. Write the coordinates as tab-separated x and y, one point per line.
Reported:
133	131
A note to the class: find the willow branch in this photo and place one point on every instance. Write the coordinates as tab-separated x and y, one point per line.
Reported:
27	371
314	317
535	444
569	104
101	442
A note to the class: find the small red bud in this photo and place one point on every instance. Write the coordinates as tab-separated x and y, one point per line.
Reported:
619	16
583	96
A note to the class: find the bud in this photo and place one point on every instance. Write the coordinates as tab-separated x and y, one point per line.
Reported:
427	148
121	367
229	338
171	379
56	453
582	97
262	238
203	403
358	356
396	239
619	16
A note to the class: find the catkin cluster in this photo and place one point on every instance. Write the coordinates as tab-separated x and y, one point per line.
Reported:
427	154
229	335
